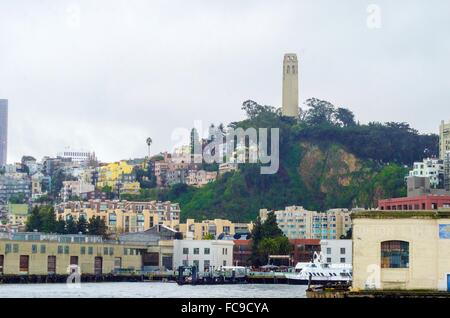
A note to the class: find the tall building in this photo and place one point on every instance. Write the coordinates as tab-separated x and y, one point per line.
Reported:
290	106
447	171
444	139
3	131
299	223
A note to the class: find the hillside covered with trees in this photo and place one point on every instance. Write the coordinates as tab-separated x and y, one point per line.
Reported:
327	160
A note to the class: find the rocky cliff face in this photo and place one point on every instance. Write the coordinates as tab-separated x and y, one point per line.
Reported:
325	167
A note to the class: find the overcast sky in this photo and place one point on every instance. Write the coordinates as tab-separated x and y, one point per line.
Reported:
103	75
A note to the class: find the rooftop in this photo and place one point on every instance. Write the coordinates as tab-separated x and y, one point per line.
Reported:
401	215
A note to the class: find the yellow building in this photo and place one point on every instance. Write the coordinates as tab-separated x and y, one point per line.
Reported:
198	230
17	214
112	173
130	188
401	250
123	216
46	254
299	223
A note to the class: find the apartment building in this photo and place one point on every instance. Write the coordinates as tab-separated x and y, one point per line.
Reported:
430	168
444	139
337	251
299	223
198	230
113	173
123	216
200	178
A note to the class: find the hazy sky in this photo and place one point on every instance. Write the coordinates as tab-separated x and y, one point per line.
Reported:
104	75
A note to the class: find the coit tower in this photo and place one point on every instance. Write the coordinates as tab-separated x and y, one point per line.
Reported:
290	106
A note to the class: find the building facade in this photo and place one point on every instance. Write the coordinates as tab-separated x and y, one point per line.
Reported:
337	251
304	250
199	230
46	254
299	223
77	156
15	185
430	168
123	216
410	250
290	105
242	253
206	255
3	132
444	139
423	202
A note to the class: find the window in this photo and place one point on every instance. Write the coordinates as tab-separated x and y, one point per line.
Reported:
83	250
125	251
111	251
43	249
224	263
329	260
185	251
34	248
185	263
394	254
328	250
342	250
8	248
206	265
60	249
207	251
224	251
90	250
343	260
105	251
196	264
66	249
196	251
15	248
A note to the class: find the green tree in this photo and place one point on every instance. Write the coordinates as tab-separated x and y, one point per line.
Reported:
208	237
345	117
320	112
17	199
82	225
60	227
71	226
97	226
267	239
34	221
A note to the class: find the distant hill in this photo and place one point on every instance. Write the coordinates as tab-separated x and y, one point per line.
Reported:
326	161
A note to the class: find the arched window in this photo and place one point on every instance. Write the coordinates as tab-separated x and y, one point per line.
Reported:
394	254
288	69
293	69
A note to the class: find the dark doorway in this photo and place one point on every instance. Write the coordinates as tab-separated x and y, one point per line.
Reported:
98	266
51	265
24	263
2	259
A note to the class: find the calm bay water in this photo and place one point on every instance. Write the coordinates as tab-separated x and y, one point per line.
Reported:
150	290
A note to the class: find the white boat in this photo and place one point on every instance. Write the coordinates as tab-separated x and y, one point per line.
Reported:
318	272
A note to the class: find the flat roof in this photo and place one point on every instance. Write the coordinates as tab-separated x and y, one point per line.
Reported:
18	209
394	214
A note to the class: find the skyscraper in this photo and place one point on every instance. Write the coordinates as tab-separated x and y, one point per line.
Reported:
290	86
444	139
3	131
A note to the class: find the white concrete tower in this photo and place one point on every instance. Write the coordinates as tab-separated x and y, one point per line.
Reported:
290	106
